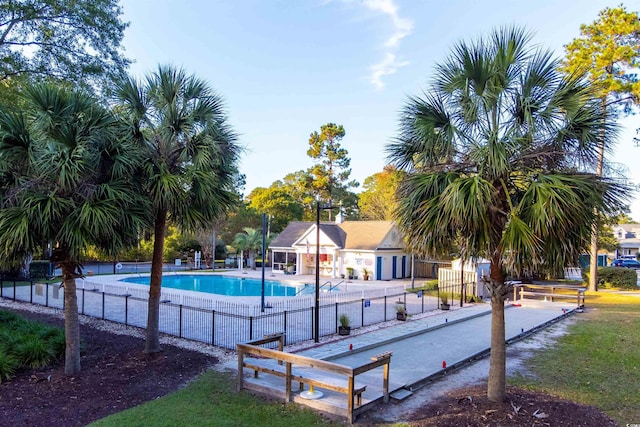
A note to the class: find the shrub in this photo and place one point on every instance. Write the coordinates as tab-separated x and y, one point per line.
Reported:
34	353
7	317
26	344
616	277
431	285
8	365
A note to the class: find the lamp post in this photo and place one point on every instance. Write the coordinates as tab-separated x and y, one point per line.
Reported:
316	318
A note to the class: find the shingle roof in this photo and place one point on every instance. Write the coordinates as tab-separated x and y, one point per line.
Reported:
290	234
365	235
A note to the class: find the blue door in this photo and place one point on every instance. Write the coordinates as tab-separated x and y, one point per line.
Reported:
379	268
395	267
404	266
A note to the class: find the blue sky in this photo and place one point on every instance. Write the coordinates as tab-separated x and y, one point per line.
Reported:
286	67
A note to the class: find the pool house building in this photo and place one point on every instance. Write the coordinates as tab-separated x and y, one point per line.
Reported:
365	250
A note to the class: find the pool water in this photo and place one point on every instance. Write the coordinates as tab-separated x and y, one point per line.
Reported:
223	285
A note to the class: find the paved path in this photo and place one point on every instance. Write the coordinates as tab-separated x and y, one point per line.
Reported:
420	346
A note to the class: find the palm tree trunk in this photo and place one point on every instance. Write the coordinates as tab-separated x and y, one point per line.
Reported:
498	359
152	338
252	258
71	321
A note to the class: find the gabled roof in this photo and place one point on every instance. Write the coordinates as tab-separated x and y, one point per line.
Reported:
292	232
362	235
365	235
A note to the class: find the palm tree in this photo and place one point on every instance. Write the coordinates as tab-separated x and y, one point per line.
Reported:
190	160
66	178
494	155
250	240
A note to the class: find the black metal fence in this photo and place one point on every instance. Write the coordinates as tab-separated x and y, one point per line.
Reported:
234	322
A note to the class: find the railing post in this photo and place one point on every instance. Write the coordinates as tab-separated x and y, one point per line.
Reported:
250	327
180	320
46	299
362	312
102	305
385	308
213	325
336	318
285	328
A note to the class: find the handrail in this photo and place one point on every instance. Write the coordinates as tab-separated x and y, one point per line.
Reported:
336	285
325	284
306	285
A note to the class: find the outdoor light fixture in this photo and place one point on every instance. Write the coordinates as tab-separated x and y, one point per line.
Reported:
316	326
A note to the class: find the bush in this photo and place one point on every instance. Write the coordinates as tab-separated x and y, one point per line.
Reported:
26	344
39	269
8	366
616	277
34	353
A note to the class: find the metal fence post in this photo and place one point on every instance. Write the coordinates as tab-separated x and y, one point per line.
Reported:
285	327
102	305
250	327
126	309
46	300
180	320
362	312
385	308
82	312
213	325
336	318
30	292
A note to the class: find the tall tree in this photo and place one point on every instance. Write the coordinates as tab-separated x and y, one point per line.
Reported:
378	200
250	240
278	204
331	171
494	155
66	177
77	41
190	160
609	50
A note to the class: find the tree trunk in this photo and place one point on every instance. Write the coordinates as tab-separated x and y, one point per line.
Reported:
498	359
593	264
252	259
152	338
71	321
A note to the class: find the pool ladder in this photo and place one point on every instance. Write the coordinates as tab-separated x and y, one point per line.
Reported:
328	282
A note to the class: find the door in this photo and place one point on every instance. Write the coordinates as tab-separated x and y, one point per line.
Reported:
394	267
379	268
404	266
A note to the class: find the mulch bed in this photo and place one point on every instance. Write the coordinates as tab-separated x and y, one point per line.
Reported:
117	375
470	407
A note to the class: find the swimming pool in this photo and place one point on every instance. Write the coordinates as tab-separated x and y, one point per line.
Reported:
223	285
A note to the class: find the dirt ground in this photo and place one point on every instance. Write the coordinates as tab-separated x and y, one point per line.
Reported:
116	375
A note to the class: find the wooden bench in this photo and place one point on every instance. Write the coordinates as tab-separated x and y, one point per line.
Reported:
310	371
542	290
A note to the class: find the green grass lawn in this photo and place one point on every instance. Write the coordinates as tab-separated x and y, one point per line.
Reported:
598	361
211	400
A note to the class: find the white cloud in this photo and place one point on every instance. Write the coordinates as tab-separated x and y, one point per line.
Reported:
389	65
402	27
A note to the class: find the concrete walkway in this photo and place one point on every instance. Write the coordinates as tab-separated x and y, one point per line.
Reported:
420	347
